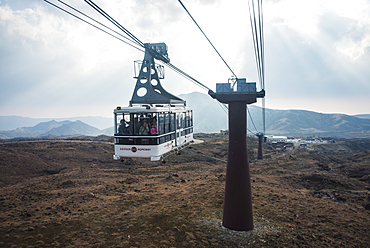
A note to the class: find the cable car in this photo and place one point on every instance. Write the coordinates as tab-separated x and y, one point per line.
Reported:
156	122
144	131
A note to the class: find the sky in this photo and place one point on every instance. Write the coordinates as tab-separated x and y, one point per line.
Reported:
317	53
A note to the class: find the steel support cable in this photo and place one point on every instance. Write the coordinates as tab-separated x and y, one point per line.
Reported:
262	65
256	53
71	7
251	17
259	47
219	56
263	61
102	12
258	41
70	13
256	44
171	66
257	33
112	20
255	134
207	38
249	113
182	73
252	123
186	75
224	108
262	41
263	115
174	68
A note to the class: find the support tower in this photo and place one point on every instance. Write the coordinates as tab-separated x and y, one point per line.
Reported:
237	214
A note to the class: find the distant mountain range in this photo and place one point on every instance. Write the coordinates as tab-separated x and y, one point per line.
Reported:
209	117
8	123
55	128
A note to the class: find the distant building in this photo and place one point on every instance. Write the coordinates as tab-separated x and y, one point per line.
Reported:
224	132
275	139
282	145
289	146
278	145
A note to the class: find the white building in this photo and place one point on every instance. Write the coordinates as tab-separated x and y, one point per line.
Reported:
275	139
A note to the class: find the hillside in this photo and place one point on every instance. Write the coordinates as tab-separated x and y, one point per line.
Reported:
52	128
363	116
8	123
58	194
210	117
301	123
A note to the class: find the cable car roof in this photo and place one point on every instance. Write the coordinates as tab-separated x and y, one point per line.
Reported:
150	109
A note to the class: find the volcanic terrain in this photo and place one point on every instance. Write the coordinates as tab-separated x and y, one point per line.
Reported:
73	194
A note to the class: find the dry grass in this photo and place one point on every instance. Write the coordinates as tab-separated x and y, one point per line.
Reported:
73	194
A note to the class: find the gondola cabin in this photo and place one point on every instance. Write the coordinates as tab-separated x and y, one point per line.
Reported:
151	132
156	122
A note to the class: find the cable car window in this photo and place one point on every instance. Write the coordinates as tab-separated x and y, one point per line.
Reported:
122	123
161	123
172	122
178	121
154	125
182	120
166	123
188	119
191	118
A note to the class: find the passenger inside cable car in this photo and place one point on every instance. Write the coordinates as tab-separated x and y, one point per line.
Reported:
152	127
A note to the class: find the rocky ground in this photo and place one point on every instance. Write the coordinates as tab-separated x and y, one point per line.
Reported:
72	194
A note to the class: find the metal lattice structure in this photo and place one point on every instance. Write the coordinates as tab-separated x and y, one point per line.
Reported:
148	88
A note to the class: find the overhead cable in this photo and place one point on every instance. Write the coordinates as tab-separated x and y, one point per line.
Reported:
131	38
112	20
81	19
249	113
135	39
263	115
187	76
78	11
256	20
207	39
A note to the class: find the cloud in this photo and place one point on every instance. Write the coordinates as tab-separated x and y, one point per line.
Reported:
52	61
321	52
47	63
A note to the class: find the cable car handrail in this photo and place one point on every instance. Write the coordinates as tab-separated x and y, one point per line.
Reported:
152	136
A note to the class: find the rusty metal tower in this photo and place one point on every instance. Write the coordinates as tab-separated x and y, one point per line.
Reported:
237	212
260	141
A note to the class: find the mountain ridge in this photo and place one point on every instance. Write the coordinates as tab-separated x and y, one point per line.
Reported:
9	123
54	128
280	122
210	117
